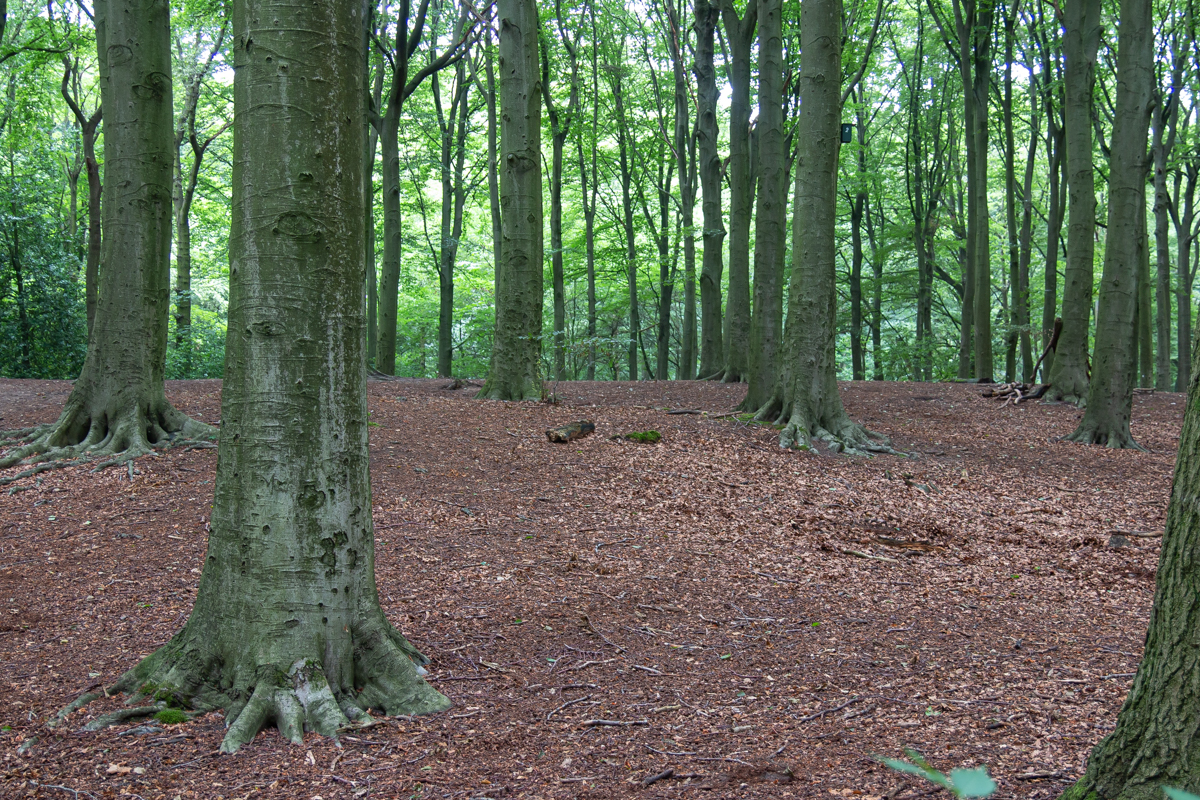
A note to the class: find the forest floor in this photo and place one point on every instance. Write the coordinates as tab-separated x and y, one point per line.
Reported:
762	622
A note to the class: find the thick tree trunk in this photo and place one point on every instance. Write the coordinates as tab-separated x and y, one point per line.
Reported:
740	39
287	627
1155	742
1069	373
117	406
712	265
1110	394
812	406
770	228
517	345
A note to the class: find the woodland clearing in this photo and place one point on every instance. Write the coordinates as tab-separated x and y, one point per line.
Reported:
759	621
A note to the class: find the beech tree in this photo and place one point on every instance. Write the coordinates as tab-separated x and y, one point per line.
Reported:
1110	394
811	404
287	627
117	408
739	37
712	264
1068	376
517	345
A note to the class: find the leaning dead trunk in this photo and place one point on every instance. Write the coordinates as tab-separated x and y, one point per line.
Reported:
287	627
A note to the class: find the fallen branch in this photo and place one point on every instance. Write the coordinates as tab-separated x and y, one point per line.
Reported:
861	554
613	723
651	779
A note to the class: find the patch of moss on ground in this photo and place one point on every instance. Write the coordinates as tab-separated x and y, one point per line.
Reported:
644	437
171	716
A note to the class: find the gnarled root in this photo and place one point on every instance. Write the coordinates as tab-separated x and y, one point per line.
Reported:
79	437
1114	439
842	436
309	694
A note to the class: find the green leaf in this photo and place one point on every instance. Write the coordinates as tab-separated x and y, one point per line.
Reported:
972	782
1179	794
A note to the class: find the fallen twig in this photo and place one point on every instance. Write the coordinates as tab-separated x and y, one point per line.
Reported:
613	723
569	703
820	714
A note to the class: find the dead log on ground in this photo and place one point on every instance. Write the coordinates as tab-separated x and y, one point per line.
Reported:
571	432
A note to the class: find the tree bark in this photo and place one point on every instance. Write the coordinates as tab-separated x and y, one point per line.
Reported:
712	265
740	38
117	407
1155	741
770	228
812	406
517	345
287	627
1110	394
1069	374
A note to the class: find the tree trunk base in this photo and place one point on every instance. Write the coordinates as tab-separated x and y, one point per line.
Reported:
1115	437
801	430
85	433
295	697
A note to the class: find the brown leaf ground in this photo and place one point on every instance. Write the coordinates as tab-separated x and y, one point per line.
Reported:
701	591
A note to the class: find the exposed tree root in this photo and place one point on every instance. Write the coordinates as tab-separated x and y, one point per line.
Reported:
1113	439
80	437
840	433
310	694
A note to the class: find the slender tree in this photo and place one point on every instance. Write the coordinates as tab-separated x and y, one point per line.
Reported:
89	127
770	227
517	345
1081	39
712	264
739	34
561	117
